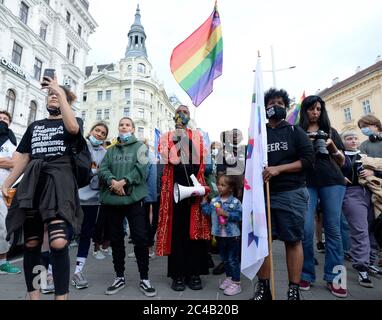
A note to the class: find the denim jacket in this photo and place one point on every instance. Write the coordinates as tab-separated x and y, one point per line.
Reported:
151	181
233	207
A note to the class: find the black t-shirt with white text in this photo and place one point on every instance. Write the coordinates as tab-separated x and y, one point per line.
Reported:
287	144
47	139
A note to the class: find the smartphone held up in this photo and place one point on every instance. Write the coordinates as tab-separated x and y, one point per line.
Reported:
48	73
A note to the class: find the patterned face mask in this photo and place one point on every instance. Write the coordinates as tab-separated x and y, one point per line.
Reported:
181	119
276	112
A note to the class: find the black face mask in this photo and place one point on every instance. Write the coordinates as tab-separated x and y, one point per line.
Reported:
53	111
3	127
276	113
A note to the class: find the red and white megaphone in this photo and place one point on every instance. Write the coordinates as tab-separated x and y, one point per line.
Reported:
182	192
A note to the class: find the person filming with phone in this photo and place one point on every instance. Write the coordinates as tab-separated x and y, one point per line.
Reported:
48	192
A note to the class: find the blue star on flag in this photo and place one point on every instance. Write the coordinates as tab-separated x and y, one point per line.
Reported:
251	235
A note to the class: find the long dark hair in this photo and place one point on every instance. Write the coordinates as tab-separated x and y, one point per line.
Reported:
323	122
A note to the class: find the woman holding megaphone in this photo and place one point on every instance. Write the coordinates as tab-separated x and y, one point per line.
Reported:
183	230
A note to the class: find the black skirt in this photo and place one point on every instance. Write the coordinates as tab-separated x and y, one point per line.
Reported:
188	257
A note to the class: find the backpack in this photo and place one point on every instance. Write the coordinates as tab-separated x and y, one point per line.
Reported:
81	162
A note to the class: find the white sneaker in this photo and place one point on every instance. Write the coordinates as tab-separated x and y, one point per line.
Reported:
131	255
146	287
99	255
151	254
118	284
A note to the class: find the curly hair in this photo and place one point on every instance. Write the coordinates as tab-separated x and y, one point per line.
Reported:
70	95
274	93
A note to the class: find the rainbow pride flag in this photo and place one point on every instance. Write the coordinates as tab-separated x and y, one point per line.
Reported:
198	60
294	116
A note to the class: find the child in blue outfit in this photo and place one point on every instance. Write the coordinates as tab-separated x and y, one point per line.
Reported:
225	211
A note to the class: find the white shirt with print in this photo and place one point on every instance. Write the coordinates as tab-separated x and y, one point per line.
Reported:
6	151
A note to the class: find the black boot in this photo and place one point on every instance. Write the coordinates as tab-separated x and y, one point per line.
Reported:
178	284
262	291
194	283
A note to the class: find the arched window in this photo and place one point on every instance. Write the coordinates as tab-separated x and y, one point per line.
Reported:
32	112
141	68
10	101
129	68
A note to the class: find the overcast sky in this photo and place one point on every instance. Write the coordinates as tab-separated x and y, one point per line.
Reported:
324	39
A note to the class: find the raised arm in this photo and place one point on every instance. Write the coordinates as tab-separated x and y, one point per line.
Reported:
68	115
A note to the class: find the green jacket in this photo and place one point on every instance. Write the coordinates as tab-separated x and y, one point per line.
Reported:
121	162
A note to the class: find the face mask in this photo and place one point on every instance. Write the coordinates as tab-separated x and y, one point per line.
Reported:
181	119
95	142
3	127
53	111
124	137
276	113
367	131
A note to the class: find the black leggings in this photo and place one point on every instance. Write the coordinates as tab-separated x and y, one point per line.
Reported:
135	214
34	231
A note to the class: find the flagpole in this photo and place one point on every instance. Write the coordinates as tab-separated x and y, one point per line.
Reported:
196	125
270	242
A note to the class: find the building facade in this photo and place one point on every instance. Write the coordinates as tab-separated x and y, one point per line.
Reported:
128	88
361	94
35	35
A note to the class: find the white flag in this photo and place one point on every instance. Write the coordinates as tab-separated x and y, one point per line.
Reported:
254	225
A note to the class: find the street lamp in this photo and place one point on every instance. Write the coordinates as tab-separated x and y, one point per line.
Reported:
274	70
274	73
